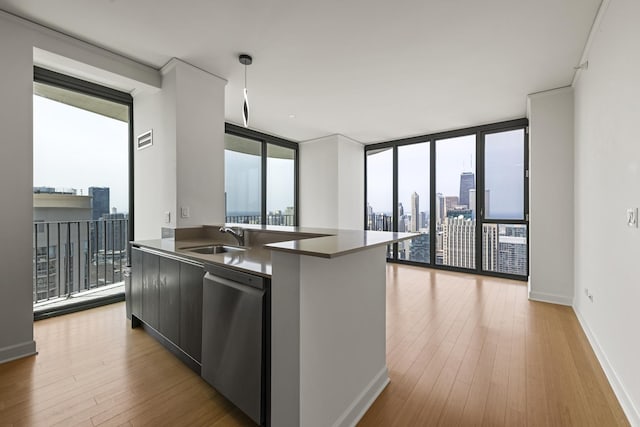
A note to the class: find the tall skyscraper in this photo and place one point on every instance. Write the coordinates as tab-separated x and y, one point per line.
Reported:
490	247
415	212
99	202
450	202
420	248
441	208
459	239
512	255
467	182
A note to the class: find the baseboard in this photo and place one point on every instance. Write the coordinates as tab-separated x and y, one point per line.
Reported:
628	407
365	399
551	298
17	351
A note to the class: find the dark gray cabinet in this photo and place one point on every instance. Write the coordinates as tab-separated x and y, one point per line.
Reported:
169	299
135	297
150	266
166	294
191	310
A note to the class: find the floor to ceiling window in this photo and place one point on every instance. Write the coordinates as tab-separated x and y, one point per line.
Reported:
504	226
413	201
455	187
379	210
261	181
433	182
243	179
82	191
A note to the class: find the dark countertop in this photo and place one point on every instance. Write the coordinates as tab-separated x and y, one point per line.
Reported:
317	242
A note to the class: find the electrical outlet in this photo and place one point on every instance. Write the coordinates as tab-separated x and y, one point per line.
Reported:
184	212
632	217
167	217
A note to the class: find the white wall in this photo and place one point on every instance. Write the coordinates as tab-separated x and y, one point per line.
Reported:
332	183
16	186
607	177
22	44
551	196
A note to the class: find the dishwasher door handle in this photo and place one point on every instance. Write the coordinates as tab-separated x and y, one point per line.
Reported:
235	285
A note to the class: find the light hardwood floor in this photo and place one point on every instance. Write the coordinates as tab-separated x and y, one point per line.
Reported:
461	350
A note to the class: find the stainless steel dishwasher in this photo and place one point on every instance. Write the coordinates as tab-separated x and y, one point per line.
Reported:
233	338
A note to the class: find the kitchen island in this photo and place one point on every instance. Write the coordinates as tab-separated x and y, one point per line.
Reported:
325	314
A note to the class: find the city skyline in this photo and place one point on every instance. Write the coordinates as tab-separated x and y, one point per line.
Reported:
504	176
504	246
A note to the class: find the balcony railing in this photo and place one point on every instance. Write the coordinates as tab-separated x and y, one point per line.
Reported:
272	219
75	256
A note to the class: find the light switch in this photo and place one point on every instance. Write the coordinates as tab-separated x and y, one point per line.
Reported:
632	217
184	212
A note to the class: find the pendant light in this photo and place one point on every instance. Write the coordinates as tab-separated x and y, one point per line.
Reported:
245	60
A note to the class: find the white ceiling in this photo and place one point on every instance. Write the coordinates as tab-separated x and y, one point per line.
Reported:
372	70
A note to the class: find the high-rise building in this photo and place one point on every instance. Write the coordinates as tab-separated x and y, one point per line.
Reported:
450	202
99	202
467	182
419	250
459	237
415	212
490	247
441	208
460	211
512	255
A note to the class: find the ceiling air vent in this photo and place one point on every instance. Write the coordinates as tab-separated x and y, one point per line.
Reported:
145	140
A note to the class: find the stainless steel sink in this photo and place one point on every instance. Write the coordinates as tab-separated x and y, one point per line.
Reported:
214	249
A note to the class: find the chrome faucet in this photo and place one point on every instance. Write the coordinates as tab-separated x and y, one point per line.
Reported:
238	233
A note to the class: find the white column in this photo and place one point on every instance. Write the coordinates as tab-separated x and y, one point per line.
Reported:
16	190
332	183
182	173
551	218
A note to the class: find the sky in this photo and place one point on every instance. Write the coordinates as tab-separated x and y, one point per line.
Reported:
504	160
75	148
243	188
